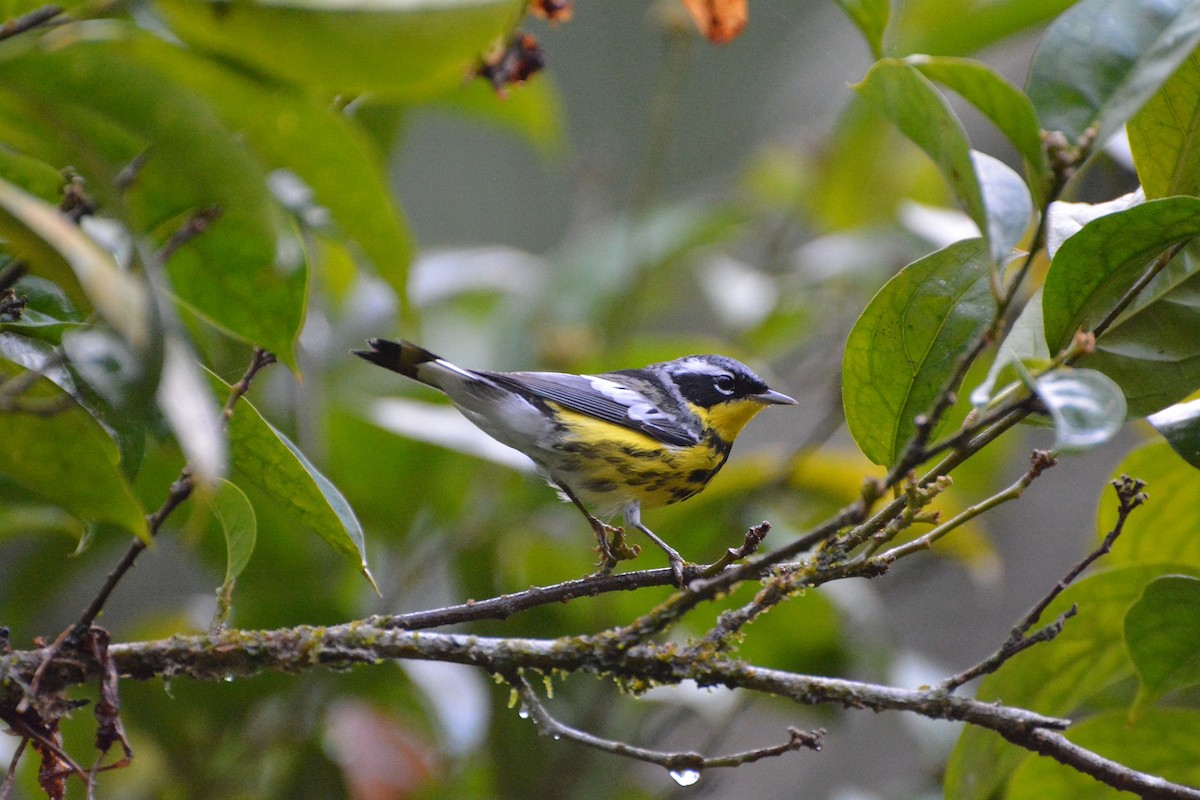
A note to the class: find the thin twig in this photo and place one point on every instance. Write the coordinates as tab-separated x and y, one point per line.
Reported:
1137	288
27	22
1041	461
1129	496
674	761
1111	773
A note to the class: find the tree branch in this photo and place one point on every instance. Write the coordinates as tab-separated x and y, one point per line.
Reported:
1129	496
27	22
685	766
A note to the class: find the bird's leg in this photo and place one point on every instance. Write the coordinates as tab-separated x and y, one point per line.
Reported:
611	551
633	516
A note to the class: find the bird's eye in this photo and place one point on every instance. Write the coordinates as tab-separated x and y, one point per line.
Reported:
724	384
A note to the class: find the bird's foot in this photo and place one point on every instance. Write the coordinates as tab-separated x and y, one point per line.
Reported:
613	548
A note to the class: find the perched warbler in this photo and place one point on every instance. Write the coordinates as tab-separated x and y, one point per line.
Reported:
617	442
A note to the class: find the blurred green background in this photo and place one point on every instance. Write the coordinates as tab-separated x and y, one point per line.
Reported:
649	195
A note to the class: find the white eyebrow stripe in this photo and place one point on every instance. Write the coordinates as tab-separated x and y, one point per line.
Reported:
700	365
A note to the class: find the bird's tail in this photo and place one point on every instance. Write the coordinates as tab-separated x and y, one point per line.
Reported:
402	357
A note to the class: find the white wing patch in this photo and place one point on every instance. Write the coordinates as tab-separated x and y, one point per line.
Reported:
639	408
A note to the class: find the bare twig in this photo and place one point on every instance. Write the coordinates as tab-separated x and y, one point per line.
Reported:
1129	496
27	22
754	538
677	762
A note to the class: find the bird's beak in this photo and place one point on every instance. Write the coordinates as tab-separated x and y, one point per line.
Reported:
773	398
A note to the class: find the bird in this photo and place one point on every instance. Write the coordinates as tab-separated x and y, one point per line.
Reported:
615	442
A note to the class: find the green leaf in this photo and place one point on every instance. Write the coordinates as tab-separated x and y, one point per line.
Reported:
1161	742
1165	135
1162	631
1087	407
234	512
903	348
992	194
266	459
1055	677
289	130
1006	199
1094	268
1163	529
37	325
1102	59
107	107
1180	426
54	247
31	174
920	111
62	455
407	48
999	100
1153	349
871	17
964	26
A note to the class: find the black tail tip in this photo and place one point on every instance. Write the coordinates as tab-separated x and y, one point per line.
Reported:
402	357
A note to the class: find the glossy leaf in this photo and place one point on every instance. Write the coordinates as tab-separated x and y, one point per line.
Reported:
1007	203
1180	426
1162	631
408	48
904	346
1161	742
957	27
63	456
1087	407
871	18
1102	59
991	193
920	111
1094	268
235	514
1165	135
1153	349
1024	344
1163	529
40	234
266	459
997	99
108	108
1055	677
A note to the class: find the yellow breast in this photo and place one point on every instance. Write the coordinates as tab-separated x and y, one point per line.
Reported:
609	466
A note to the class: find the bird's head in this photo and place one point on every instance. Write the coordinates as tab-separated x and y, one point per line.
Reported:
725	393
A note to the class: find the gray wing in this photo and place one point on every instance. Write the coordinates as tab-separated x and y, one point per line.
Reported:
604	399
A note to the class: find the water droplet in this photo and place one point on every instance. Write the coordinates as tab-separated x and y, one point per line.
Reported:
557	736
229	678
523	712
685	777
